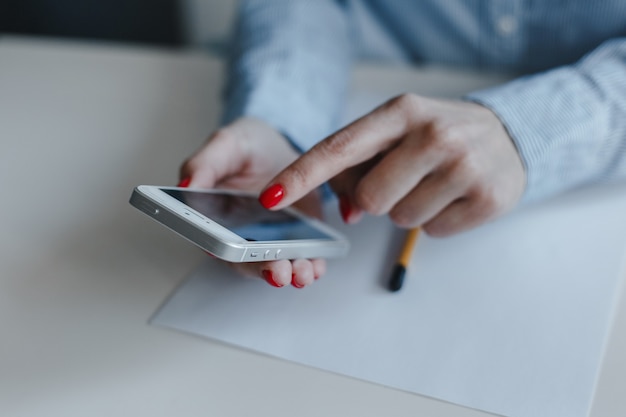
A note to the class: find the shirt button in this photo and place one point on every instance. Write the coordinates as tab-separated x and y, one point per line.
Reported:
506	25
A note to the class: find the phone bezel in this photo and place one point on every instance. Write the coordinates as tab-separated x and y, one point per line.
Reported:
222	242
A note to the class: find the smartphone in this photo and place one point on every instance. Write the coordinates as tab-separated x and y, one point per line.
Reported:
233	226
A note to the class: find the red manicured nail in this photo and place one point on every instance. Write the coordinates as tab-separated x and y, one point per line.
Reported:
294	283
345	208
184	182
272	196
269	277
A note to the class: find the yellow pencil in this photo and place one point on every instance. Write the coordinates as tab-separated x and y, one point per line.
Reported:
402	263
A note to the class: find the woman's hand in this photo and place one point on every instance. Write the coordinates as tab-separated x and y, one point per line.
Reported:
443	165
245	155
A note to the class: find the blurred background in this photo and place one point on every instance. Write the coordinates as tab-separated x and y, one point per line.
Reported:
166	23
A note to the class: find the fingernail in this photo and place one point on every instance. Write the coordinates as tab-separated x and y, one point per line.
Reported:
272	196
269	277
184	183
345	208
294	283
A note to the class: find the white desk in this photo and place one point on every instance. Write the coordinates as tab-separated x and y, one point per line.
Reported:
82	271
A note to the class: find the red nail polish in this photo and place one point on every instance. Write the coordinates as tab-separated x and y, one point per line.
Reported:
184	183
269	277
272	196
294	283
345	208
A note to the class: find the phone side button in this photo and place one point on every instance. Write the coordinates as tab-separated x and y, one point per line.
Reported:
266	254
277	254
254	254
148	208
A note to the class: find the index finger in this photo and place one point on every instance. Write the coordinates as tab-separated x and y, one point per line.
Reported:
217	159
358	142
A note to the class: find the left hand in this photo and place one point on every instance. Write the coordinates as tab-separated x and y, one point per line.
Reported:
444	165
244	155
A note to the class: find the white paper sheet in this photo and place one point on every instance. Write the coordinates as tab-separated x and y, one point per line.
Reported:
510	318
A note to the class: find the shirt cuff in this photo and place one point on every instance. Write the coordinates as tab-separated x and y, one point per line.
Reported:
552	119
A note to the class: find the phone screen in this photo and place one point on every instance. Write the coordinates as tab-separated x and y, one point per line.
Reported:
246	217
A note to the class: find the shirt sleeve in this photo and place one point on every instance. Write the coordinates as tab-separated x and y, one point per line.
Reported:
289	66
569	124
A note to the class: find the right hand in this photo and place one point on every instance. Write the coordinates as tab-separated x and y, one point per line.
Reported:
245	155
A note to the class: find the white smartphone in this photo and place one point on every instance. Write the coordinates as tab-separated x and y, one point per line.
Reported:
232	225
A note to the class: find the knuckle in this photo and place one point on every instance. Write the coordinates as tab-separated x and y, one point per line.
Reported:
221	134
486	202
443	139
461	171
368	200
435	228
407	104
405	101
226	138
297	176
337	145
402	218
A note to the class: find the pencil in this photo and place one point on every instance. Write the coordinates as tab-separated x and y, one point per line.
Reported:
402	263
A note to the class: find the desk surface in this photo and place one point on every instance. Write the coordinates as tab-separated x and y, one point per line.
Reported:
82	272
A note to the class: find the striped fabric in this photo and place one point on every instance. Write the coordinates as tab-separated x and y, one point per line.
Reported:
291	60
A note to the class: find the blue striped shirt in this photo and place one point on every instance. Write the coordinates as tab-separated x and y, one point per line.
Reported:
291	60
